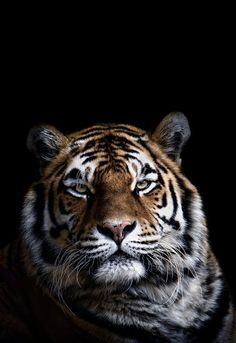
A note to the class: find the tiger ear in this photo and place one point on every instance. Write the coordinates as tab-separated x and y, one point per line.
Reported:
45	142
172	133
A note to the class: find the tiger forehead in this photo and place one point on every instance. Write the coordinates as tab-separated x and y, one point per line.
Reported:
108	141
110	152
106	129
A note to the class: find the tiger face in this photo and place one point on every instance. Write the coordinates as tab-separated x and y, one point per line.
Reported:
111	207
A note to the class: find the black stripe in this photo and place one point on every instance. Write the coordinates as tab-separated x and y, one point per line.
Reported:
160	179
89	159
88	154
174	199
39	210
93	128
116	141
60	187
160	166
51	205
125	143
127	130
148	170
172	222
89	145
146	242
107	162
186	201
73	174
131	151
128	156
187	242
75	151
164	201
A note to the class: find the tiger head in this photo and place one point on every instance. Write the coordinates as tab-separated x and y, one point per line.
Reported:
111	206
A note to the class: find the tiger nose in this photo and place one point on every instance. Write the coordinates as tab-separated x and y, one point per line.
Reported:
116	231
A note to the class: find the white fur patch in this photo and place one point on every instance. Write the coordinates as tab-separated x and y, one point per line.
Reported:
120	271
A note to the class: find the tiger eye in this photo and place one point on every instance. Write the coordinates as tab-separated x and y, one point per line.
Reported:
81	188
142	184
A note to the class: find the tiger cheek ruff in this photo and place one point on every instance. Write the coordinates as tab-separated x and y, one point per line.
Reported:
113	244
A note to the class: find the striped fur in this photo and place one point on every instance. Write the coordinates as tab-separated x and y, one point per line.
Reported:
161	281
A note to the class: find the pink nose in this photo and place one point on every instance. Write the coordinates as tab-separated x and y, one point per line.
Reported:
116	231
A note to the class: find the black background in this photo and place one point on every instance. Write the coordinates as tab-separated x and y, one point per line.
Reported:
208	157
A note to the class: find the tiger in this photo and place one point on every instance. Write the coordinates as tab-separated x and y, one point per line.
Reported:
113	244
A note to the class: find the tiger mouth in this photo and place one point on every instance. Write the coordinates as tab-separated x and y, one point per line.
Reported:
117	259
120	269
119	255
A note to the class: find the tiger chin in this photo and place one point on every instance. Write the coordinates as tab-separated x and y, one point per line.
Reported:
113	244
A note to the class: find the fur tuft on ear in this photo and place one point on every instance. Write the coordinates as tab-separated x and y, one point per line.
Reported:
172	133
45	142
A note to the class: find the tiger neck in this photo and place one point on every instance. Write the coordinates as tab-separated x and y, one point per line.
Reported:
144	307
179	302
